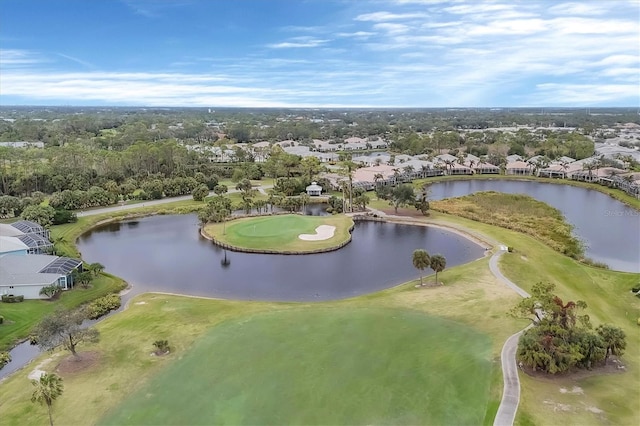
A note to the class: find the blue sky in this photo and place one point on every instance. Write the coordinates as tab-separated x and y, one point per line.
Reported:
320	53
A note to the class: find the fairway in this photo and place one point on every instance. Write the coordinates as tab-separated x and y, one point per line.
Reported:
281	232
322	366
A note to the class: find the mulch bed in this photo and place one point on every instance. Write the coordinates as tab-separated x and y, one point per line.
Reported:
76	364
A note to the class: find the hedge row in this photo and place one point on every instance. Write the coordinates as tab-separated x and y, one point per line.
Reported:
103	306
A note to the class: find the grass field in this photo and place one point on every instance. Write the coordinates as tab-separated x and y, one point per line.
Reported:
310	366
471	297
280	232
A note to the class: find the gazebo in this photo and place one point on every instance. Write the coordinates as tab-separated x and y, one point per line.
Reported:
314	189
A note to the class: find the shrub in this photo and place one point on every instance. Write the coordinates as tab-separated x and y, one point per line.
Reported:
635	288
10	298
64	216
5	358
50	290
103	306
510	249
162	346
591	262
1	319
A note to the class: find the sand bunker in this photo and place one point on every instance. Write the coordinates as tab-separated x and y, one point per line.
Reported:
323	232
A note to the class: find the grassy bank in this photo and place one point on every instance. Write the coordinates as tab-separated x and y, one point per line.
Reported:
599	398
20	318
517	212
281	232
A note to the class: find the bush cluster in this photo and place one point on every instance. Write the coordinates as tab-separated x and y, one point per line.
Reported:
5	358
103	306
10	298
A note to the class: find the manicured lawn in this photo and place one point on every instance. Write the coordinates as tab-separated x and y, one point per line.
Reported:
607	294
322	366
280	232
470	296
20	318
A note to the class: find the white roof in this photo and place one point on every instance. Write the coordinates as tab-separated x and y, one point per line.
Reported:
9	244
9	231
314	187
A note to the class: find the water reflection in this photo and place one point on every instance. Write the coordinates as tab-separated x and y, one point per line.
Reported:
610	229
166	253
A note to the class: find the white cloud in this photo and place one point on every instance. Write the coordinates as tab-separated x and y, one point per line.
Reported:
388	16
357	34
592	8
18	57
298	42
584	94
392	28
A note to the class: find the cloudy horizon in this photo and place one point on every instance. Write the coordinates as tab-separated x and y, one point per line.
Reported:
313	54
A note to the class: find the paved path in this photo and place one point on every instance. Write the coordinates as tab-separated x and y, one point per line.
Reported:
261	189
511	391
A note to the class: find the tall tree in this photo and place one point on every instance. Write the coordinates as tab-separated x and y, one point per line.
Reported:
310	166
421	261
64	328
47	389
438	263
402	195
346	169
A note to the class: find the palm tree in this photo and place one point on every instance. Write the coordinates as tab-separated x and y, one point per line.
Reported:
408	171
95	268
589	167
377	178
421	261
438	263
48	388
304	200
449	165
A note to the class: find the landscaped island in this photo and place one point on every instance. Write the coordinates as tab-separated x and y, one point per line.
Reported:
286	234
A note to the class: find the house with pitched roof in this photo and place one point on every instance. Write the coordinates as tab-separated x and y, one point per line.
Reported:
26	275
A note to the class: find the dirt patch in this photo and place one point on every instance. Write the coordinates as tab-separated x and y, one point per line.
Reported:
428	284
76	364
402	212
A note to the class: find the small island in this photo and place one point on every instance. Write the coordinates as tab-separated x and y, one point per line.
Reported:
282	234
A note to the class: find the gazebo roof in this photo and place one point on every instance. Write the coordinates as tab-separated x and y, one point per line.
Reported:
314	187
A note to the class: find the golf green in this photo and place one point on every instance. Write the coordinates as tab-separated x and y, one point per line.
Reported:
281	233
322	366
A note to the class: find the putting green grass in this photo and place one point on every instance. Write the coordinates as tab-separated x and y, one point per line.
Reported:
322	366
280	233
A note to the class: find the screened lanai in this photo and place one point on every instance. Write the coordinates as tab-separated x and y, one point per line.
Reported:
28	227
37	243
63	266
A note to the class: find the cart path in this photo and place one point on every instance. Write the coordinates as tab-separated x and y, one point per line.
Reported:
262	189
511	391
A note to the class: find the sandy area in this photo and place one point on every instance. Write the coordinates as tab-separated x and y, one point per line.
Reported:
323	232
